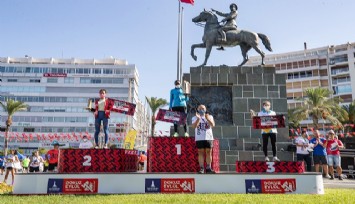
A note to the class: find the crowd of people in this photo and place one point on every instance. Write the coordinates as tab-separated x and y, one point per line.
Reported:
325	150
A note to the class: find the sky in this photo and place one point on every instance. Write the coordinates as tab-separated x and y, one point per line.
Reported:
145	32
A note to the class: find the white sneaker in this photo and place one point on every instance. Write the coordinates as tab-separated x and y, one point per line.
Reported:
267	159
96	147
275	159
176	134
186	134
105	147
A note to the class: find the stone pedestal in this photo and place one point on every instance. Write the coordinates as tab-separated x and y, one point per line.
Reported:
229	93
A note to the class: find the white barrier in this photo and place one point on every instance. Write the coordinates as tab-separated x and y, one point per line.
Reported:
308	183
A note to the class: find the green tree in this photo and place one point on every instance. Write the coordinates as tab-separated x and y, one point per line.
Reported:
154	104
294	118
11	107
318	105
350	111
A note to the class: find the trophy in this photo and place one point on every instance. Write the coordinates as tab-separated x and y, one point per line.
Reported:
90	108
186	88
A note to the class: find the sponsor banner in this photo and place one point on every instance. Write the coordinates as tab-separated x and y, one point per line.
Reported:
72	186
80	186
152	185
178	185
264	122
170	185
54	74
171	116
55	186
122	106
270	185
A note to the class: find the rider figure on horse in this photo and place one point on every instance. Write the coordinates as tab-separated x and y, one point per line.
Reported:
231	23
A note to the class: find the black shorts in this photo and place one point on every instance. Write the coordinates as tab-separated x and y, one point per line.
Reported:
141	163
204	144
34	169
318	159
51	167
9	168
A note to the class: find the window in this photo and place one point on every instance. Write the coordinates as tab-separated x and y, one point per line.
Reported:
52	80
79	71
11	80
108	71
69	80
96	71
35	81
27	129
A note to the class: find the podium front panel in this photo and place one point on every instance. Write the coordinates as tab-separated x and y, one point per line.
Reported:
269	167
97	160
177	154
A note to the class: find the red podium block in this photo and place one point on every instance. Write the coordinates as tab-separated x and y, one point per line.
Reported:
269	167
177	154
97	160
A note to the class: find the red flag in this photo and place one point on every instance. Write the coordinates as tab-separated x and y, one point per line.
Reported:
188	1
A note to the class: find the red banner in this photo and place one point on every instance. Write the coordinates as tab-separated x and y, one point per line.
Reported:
278	185
178	185
273	121
54	74
80	186
171	116
122	106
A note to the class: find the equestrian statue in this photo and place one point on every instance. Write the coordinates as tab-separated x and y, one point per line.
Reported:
227	35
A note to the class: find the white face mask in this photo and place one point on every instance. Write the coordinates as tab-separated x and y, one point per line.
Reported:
85	140
177	86
266	108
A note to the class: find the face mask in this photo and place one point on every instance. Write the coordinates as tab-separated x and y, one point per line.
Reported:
266	108
85	140
201	112
177	86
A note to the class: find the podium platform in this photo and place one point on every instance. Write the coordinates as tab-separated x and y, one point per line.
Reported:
269	167
97	160
177	154
119	183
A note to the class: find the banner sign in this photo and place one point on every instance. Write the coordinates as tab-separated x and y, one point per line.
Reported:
54	74
270	185
171	116
73	186
170	185
273	121
130	139
122	106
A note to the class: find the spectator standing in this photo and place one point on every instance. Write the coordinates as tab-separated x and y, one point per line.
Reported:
319	153
25	164
141	160
2	165
302	151
35	162
333	154
53	156
10	161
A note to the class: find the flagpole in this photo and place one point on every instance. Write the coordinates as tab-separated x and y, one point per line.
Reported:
178	46
181	38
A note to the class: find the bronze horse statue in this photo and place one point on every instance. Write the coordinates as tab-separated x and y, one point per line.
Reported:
245	39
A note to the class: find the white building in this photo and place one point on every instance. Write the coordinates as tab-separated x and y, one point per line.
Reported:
57	92
331	67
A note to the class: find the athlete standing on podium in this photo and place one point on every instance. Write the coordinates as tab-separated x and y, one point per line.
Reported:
178	103
102	113
203	123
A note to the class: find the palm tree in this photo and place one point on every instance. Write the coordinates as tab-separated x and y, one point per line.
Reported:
350	110
318	105
154	104
11	107
294	118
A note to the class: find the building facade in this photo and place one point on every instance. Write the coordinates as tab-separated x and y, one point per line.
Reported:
331	67
57	92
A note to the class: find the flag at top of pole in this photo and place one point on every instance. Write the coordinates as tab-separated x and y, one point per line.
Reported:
188	1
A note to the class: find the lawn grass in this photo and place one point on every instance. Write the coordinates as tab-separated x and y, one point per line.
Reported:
330	196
